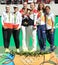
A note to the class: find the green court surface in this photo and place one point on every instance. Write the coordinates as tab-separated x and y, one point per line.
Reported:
20	37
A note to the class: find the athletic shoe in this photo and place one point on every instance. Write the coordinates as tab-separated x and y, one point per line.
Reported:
33	50
52	49
17	50
25	50
42	51
7	50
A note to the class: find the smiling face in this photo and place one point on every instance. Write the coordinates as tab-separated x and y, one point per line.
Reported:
7	9
41	6
47	9
25	5
32	6
15	9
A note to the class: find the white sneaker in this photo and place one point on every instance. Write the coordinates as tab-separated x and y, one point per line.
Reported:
33	50
25	50
7	50
17	50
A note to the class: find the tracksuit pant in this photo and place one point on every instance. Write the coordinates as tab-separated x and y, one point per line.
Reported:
7	34
41	33
24	46
50	37
6	37
16	37
28	32
31	33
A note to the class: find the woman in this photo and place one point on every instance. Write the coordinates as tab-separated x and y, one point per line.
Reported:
41	33
7	26
17	19
50	19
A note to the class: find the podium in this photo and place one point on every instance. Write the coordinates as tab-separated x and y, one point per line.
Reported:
41	59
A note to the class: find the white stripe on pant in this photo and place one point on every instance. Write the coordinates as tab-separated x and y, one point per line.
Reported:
28	32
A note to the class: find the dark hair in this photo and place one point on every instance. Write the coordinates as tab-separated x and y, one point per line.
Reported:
42	8
47	7
15	7
33	3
